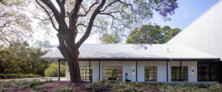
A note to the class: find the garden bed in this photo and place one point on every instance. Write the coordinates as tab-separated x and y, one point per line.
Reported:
66	86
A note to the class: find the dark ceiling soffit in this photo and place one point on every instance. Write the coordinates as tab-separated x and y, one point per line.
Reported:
163	59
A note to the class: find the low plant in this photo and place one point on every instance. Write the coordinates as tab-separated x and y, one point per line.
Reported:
37	82
64	89
216	88
9	76
96	87
13	84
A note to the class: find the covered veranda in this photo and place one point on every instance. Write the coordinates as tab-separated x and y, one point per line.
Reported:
130	52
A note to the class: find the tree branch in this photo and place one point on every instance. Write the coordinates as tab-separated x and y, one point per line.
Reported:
109	5
62	7
89	28
81	24
5	24
110	14
86	12
58	17
126	4
47	12
74	15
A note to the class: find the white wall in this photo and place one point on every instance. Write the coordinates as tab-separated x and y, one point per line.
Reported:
129	66
205	33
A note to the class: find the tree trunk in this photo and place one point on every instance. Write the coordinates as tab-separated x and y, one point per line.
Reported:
73	63
70	53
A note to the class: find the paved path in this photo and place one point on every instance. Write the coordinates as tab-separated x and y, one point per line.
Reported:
29	79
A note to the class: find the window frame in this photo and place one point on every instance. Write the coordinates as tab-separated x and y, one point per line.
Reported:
154	72
177	72
86	76
118	76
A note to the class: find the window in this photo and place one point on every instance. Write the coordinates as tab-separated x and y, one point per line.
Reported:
150	73
85	74
175	73
203	72
112	73
207	71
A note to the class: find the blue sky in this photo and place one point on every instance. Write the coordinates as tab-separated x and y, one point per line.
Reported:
188	11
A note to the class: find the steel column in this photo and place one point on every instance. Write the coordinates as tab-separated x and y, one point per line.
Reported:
58	70
99	70
167	62
180	70
136	70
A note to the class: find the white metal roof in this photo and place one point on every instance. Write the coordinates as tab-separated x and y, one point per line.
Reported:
132	51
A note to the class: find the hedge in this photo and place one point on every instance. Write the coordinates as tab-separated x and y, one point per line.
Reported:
8	76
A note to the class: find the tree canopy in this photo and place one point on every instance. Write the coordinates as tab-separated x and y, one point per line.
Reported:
152	34
14	23
110	38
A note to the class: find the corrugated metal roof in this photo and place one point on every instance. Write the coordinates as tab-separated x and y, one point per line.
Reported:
129	51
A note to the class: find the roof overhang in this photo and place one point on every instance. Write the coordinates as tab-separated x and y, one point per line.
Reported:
130	52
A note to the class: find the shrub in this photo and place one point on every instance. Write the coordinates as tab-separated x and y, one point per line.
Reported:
216	88
52	70
66	89
12	84
96	87
8	76
37	82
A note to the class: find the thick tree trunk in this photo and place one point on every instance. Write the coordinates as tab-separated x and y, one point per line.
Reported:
73	63
70	53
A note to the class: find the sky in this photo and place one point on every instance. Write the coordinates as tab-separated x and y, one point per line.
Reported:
188	11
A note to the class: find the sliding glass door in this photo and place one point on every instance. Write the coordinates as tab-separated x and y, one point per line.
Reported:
175	73
113	73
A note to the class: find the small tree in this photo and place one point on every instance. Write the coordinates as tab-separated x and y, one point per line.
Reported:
74	16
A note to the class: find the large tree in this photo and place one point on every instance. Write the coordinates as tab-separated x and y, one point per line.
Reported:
152	34
73	16
14	23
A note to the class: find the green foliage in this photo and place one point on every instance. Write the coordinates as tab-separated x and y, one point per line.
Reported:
152	34
20	58
13	84
110	38
66	89
216	88
96	87
7	76
52	70
37	82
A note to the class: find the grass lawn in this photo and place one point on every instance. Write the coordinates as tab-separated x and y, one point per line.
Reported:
65	86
